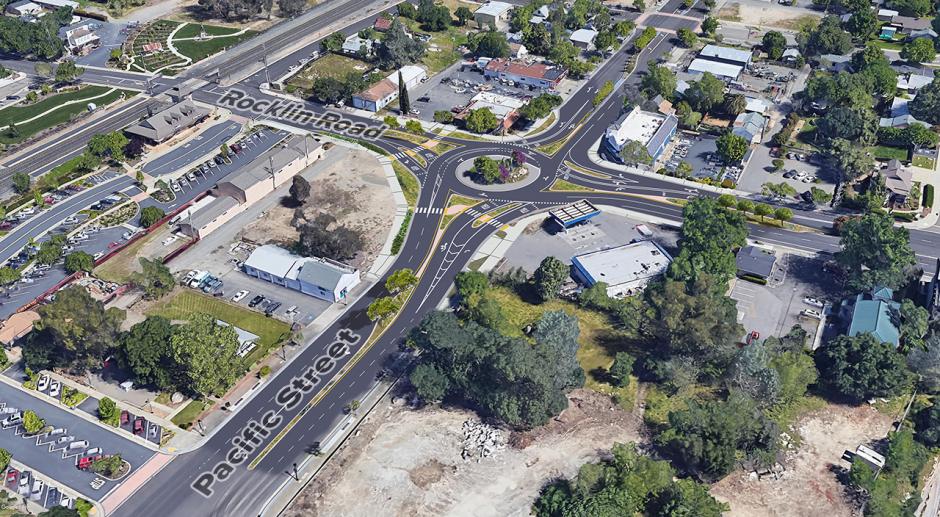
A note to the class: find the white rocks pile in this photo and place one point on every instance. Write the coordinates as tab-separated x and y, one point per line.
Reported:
480	440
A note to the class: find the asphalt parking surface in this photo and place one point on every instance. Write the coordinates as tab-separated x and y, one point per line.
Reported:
182	156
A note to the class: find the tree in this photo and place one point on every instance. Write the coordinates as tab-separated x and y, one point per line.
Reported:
709	234
913	8
67	72
635	153
398	49
149	215
154	278
861	367
706	93
404	103
291	8
481	121
927	425
463	15
382	308
5	458
778	190
926	105
827	38
707	438
108	411
401	280
299	189
848	159
862	24
658	80
446	117
925	363
322	237
108	145
921	50
774	43
148	352
795	373
762	210
688	118
709	26
683	170
621	369
539	107
688	37
430	383
206	354
549	276
726	201
856	124
407	10
21	182
333	42
732	148
783	214
644	39
61	339
735	104
624	28
875	252
745	205
914	325
487	169
12	130
32	424
8	276
79	261
490	44
750	373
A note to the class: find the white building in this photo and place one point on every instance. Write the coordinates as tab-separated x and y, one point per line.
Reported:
730	55
727	71
354	45
583	38
318	277
625	269
650	129
24	8
412	75
493	14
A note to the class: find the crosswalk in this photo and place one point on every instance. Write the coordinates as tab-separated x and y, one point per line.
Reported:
492	222
429	210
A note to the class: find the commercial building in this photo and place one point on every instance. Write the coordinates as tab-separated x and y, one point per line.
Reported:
872	313
250	184
412	75
650	129
52	5
505	108
583	38
160	127
318	277
17	326
574	214
625	269
726	71
538	75
24	8
383	92
493	14
81	40
728	55
755	261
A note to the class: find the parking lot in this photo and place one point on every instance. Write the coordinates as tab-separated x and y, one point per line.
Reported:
27	484
700	152
773	309
801	170
206	142
54	455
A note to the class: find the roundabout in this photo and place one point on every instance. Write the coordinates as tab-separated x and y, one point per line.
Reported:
516	176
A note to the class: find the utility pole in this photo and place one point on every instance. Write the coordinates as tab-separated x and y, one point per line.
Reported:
264	59
271	172
296	475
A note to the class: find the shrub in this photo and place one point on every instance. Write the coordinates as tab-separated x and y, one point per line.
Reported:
754	279
927	199
264	371
402	232
727	183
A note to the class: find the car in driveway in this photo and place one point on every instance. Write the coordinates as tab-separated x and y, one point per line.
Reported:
139	426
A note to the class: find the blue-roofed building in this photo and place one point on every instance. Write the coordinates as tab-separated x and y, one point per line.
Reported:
874	313
650	129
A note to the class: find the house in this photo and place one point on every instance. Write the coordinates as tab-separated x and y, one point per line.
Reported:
750	126
790	55
906	24
246	340
356	46
900	106
912	82
538	75
835	63
52	5
160	127
650	129
376	96
540	15
81	40
493	14
733	56
382	24
756	105
901	121
755	261
625	269
517	51
318	277
721	70
922	33
899	180
886	15
250	184
874	313
583	38
505	108
24	8
16	326
663	105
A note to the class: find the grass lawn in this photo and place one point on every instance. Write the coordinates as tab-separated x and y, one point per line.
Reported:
407	137
188	414
59	116
599	340
442	49
330	65
186	302
888	45
883	152
193	30
923	162
544	125
409	183
443	147
455	200
120	267
199	50
467	136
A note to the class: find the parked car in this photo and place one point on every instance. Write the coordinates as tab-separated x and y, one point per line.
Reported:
240	295
256	300
13	476
54	389
43	383
271	308
811	313
24	482
139	426
125	417
814	302
752	337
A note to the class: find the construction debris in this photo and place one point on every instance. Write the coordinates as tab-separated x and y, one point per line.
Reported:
480	440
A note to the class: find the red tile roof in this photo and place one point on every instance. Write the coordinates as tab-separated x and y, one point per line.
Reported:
378	91
382	24
535	70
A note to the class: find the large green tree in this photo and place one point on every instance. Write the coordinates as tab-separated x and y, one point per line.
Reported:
926	105
920	50
709	236
154	278
875	252
398	48
206	354
731	147
862	367
79	261
549	276
774	43
706	93
481	121
659	80
148	352
827	38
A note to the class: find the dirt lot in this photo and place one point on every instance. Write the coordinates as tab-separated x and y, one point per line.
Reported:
353	189
825	435
762	14
408	462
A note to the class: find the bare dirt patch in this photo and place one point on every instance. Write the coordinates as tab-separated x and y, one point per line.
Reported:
760	14
352	188
808	487
405	462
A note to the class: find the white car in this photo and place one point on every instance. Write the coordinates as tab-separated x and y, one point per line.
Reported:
24	483
55	389
177	188
43	383
240	295
98	255
66	502
38	485
170	240
811	313
813	301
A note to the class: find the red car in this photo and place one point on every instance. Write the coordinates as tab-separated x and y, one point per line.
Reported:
125	417
752	337
86	462
12	476
114	244
139	426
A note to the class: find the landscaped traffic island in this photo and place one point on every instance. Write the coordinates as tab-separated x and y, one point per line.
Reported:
498	172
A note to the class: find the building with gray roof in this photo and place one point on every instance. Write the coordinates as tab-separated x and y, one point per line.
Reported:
318	277
160	127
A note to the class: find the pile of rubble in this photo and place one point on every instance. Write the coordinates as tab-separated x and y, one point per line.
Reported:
480	440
